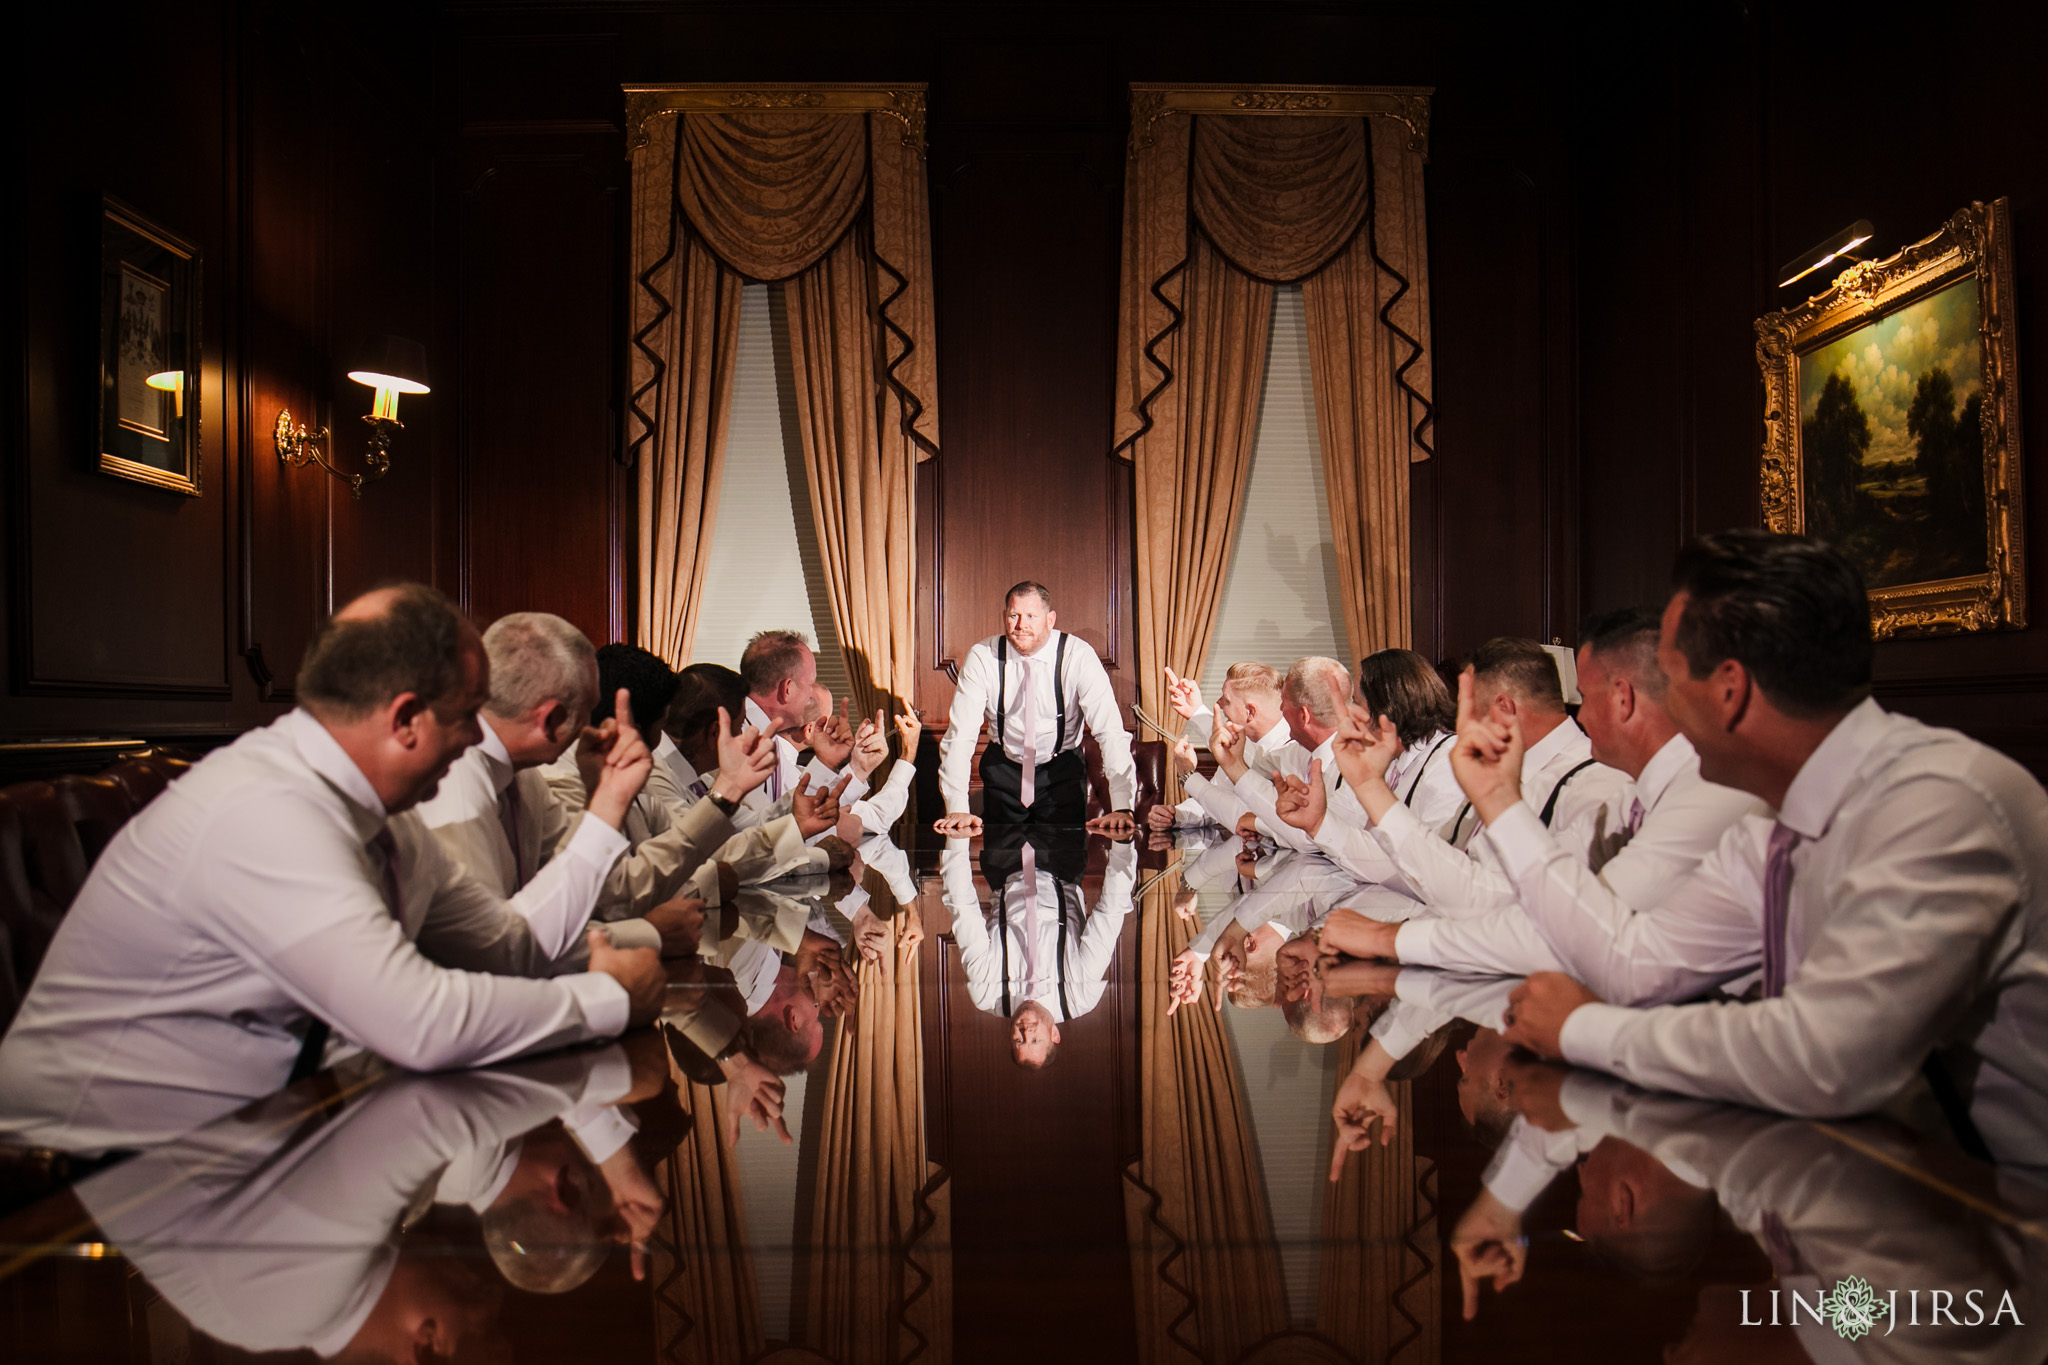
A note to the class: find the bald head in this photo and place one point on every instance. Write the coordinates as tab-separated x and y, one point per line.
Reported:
405	638
1313	696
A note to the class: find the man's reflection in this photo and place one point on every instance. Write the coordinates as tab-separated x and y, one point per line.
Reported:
1036	954
273	1231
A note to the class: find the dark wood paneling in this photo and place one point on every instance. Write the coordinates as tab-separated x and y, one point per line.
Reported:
539	383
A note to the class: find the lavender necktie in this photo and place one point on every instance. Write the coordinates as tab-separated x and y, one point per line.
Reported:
1777	900
508	816
1635	815
388	848
1027	785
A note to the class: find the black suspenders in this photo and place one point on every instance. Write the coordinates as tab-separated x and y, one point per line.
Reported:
1003	929
1059	693
1550	806
1423	767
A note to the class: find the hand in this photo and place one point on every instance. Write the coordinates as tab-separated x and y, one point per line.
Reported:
1184	902
1231	956
1489	1245
816	813
1159	819
744	760
1119	825
756	1092
958	826
1184	695
1248	863
1486	756
870	935
635	1199
1538	1008
839	854
1248	827
1303	803
909	930
681	922
1365	749
1295	965
1185	760
1351	978
1184	981
637	969
1226	743
830	737
1361	1102
1535	1090
826	979
1356	935
870	746
593	746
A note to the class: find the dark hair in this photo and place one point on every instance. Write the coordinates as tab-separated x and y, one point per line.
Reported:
1521	666
1402	686
770	657
356	664
1626	638
1044	593
649	680
700	690
1790	610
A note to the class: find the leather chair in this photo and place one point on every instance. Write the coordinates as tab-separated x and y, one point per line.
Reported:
1150	757
42	866
144	776
98	807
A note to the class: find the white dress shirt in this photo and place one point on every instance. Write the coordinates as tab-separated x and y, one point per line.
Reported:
684	772
1584	922
244	901
1259	795
1091	705
281	1235
1199	727
1916	921
1426	999
1465	877
1036	968
469	814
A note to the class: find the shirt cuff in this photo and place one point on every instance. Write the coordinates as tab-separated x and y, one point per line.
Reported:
607	1009
598	842
1522	1168
600	1130
632	933
1415	943
1400	1031
1590	1033
1399	825
609	1078
1520	841
1588	1101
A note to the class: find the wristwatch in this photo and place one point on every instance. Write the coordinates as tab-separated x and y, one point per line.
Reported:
726	807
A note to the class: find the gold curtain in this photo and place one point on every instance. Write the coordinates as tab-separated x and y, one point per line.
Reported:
707	1306
1335	202
1378	1296
835	206
1205	1270
881	1279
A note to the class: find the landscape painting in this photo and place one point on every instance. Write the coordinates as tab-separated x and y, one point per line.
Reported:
1892	443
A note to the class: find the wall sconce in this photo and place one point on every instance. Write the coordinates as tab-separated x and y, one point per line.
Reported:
1819	254
396	365
171	382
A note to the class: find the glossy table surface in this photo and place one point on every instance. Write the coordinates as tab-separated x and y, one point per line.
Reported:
1160	1191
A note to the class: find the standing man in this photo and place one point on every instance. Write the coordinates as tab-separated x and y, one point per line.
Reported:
1038	687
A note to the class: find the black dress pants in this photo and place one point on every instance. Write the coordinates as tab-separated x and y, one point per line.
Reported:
1061	795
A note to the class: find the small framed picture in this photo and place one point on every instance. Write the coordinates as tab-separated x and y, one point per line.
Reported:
149	352
1892	428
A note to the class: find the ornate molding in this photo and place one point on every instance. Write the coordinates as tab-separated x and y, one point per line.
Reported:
1974	242
903	101
1408	104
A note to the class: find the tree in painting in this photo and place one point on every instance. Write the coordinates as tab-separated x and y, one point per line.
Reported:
1949	456
1836	438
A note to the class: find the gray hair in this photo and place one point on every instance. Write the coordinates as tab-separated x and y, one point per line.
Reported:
537	658
1320	687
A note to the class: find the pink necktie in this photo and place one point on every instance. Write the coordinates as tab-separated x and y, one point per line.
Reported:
508	815
1635	814
388	847
1777	899
1027	786
1032	919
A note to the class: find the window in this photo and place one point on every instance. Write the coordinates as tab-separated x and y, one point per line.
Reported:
1280	596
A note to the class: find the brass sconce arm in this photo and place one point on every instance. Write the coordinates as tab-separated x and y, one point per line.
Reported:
298	447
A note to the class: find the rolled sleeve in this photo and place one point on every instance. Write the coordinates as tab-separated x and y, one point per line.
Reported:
1590	1035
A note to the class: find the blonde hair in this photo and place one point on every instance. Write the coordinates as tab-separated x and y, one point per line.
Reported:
1259	678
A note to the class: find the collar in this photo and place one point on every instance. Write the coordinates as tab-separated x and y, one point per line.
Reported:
497	758
1277	737
684	770
1045	651
1666	766
756	717
325	756
1825	779
1552	745
1324	750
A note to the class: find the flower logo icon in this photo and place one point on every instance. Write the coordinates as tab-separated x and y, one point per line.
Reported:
1853	1309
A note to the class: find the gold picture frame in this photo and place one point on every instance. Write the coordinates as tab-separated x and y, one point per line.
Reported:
1882	396
148	399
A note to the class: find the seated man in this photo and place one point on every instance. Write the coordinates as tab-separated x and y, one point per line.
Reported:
1313	696
780	674
271	894
1251	702
494	813
1576	893
1038	688
1037	955
1454	868
1899	897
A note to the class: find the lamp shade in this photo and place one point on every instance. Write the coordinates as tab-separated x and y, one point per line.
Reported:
1824	252
397	363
